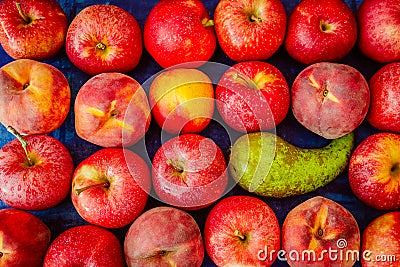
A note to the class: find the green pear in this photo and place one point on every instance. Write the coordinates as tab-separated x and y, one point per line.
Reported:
265	164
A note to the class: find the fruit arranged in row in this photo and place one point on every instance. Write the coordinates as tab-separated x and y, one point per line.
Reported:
238	230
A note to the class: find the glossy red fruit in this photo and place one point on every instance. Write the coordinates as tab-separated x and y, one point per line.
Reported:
320	31
250	30
178	32
252	96
104	38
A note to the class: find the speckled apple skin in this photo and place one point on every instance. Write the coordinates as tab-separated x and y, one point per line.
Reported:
111	26
308	43
123	200
248	109
370	171
86	245
24	239
384	111
164	237
254	219
243	40
174	33
39	39
37	187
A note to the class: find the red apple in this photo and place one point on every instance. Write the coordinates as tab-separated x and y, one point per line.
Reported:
330	99
109	188
252	96
380	245
23	239
34	29
182	100
189	171
320	232
237	231
86	245
250	30
179	31
378	30
111	109
164	236
320	31
34	96
104	38
384	112
35	175
374	171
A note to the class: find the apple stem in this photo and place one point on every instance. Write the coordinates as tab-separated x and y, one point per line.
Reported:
207	22
240	235
254	18
245	81
80	190
22	14
23	143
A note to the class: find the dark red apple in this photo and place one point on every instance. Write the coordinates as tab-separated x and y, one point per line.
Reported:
320	31
239	230
252	96
110	187
379	25
320	232
104	38
23	239
179	31
250	30
380	242
384	111
374	171
189	171
164	236
86	245
35	175
34	29
330	99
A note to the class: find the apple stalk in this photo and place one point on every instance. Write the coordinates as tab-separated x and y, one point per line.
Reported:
23	143
22	14
80	190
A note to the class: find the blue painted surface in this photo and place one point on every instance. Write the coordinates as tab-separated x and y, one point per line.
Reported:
64	215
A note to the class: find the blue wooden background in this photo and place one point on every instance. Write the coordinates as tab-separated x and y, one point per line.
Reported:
64	215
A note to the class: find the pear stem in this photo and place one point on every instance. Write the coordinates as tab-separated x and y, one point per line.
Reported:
80	190
23	143
22	14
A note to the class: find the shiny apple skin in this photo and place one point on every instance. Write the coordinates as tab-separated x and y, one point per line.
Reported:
121	201
39	39
104	38
254	219
381	241
174	33
374	171
23	239
189	171
306	39
384	112
242	39
37	187
248	109
34	96
86	245
379	24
